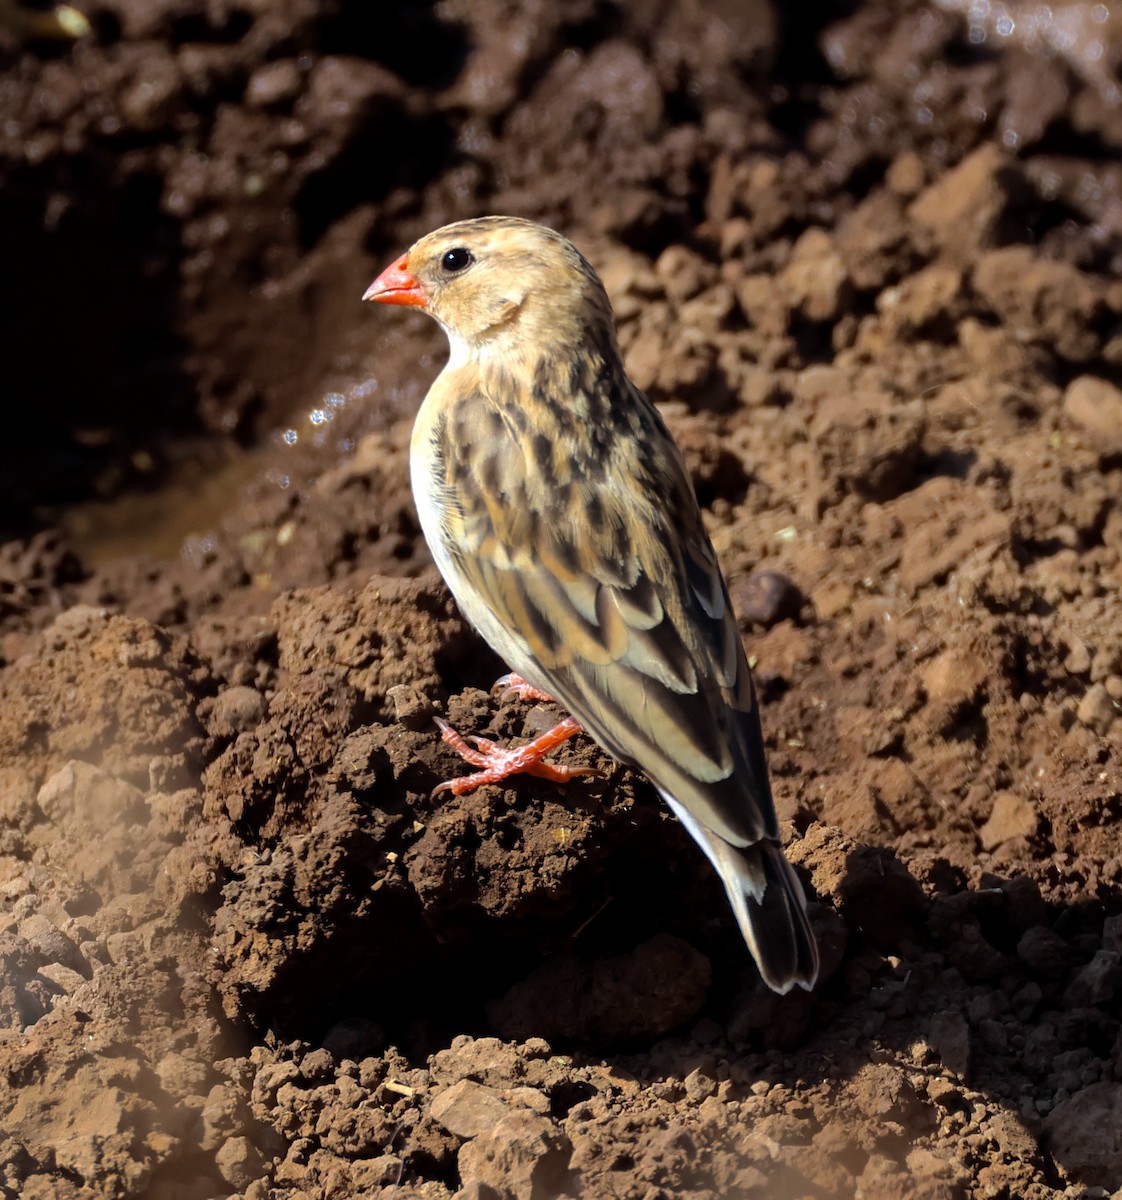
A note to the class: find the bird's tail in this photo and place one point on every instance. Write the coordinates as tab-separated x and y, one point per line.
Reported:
768	902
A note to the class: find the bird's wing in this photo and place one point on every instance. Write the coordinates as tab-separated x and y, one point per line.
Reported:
611	596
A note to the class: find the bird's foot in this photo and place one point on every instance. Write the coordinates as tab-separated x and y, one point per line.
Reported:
515	685
498	762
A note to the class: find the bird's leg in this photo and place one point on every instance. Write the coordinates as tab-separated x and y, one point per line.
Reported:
500	763
515	685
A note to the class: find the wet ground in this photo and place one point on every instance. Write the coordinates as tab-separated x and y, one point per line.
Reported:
867	257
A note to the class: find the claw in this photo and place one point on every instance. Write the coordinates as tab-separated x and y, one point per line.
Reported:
447	734
515	685
499	762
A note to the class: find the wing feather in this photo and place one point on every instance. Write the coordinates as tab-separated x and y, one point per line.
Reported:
614	602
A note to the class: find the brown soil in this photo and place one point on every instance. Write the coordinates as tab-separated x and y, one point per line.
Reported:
867	256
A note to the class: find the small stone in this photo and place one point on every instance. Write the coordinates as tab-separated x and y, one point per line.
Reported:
66	980
124	948
766	598
412	708
950	1035
1097	710
525	1154
181	1076
147	104
84	795
224	1114
817	384
238	1161
699	1085
953	680
467	1109
369	1173
237	709
762	304
1096	406
832	597
921	300
943	1092
905	175
528	1097
1026	1000
52	943
317	1065
1096	983
884	1093
1085	1134
935	1174
1012	816
1078	659
273	83
17	797
269	1079
1106	660
682	272
1011	1135
815	281
1043	951
965	206
1041	300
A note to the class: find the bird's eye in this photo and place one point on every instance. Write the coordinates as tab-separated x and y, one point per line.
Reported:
459	258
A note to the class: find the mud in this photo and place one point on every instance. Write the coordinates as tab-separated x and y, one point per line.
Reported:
867	260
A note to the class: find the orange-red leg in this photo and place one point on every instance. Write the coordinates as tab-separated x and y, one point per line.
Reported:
498	762
515	685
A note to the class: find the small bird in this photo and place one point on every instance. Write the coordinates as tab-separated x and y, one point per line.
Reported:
562	517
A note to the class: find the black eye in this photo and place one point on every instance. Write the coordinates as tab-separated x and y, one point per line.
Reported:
459	258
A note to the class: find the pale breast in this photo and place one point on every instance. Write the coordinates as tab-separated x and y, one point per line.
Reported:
441	513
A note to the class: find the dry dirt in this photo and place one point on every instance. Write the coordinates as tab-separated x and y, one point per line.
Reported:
868	258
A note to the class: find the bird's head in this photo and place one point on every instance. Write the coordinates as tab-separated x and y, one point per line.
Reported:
498	284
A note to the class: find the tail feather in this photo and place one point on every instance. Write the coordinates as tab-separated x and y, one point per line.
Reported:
768	902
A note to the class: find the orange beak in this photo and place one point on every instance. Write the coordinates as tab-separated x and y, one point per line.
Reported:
396	285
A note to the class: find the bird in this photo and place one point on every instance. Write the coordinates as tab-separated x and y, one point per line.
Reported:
561	514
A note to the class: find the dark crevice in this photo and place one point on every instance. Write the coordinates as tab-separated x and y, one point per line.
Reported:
391	149
409	39
85	356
